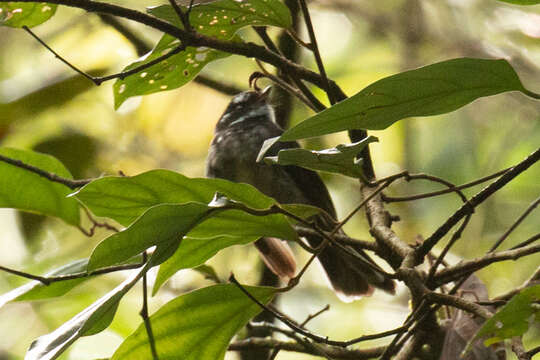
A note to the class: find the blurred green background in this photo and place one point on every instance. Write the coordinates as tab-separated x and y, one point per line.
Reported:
46	107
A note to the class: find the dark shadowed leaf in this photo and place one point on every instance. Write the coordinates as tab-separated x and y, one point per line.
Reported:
513	318
341	159
198	325
19	14
91	320
431	90
25	190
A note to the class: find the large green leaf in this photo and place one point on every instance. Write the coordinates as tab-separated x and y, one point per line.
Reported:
165	225
513	318
196	326
223	18
342	159
126	198
91	320
193	252
431	90
24	190
35	290
19	14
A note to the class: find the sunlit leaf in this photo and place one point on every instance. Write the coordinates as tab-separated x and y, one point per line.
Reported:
37	290
220	19
24	190
171	73
193	252
431	90
208	272
341	159
19	14
522	2
91	320
223	18
198	325
165	225
125	198
162	226
513	318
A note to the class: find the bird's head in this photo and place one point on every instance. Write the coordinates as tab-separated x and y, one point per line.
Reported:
247	106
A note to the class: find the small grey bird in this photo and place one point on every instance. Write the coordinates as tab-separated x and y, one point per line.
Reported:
246	123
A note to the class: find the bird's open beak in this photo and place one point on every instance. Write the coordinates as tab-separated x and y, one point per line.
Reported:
264	94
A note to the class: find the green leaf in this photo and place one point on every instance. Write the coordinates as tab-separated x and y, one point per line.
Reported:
193	252
19	14
220	19
512	319
125	198
165	225
431	90
198	325
91	320
522	2
162	226
171	73
223	18
208	272
24	190
341	159
35	290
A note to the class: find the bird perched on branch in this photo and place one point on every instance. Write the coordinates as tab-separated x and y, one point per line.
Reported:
246	123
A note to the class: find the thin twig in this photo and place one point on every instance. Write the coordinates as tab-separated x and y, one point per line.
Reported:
475	201
315	48
98	80
390	199
526	213
317	338
526	242
46	280
183	18
144	314
467	267
70	183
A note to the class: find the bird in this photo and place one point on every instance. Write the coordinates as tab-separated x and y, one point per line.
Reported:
246	123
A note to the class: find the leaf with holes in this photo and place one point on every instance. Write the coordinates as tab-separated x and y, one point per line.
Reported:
341	159
19	14
25	190
198	325
512	319
223	18
171	73
430	90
